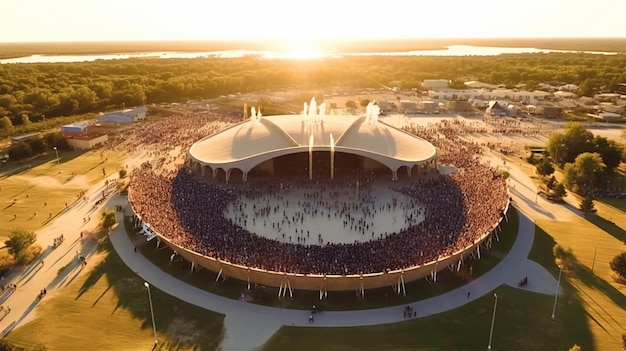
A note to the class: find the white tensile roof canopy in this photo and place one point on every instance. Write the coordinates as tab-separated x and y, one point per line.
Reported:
255	140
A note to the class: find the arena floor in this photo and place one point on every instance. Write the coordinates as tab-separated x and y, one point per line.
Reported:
299	214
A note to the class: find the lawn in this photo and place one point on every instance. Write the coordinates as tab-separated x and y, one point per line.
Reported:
603	299
522	323
33	193
107	309
374	298
595	240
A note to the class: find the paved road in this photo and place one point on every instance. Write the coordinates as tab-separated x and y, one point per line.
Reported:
248	326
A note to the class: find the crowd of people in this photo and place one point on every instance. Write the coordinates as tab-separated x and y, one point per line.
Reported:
457	210
175	134
306	212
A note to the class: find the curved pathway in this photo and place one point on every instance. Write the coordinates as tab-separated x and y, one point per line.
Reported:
249	325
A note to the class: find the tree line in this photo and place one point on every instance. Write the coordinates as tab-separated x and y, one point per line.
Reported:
589	163
30	91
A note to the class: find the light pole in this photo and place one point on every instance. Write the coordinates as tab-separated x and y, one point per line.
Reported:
493	319
556	294
57	152
45	125
156	341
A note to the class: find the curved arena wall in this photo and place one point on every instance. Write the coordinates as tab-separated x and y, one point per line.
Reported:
323	282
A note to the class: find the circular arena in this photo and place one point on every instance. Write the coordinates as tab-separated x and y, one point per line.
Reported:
323	202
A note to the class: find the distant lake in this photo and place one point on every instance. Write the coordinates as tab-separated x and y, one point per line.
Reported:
454	50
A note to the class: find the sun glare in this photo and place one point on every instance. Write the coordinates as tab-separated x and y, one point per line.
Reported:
296	54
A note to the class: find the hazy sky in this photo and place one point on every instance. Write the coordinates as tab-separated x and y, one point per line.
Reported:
300	21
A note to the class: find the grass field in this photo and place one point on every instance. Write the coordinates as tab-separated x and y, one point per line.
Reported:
374	298
595	240
107	309
522	323
33	193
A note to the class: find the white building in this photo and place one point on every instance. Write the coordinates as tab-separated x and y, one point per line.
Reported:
569	87
473	84
530	97
606	116
565	94
435	84
126	116
455	94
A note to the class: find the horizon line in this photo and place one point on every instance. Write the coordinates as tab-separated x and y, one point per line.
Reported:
321	40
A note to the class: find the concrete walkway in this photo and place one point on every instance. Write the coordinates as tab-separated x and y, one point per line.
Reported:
248	325
43	272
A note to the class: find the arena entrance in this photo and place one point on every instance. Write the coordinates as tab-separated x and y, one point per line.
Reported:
348	167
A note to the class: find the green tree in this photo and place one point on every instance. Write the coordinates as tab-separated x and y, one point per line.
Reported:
586	205
624	341
587	88
7	125
531	159
37	145
559	192
551	183
545	167
20	151
565	256
25	120
108	219
122	173
364	102
58	140
350	104
618	264
583	173
575	140
19	242
38	347
610	151
5	346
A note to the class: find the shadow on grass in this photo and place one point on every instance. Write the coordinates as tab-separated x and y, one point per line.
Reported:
20	167
607	226
186	326
618	204
593	281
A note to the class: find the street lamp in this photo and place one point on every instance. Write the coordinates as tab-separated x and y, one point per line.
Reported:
156	341
57	152
556	294
493	319
45	125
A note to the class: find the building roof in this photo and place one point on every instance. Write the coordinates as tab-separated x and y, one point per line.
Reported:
477	84
77	125
494	104
251	142
25	136
129	111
